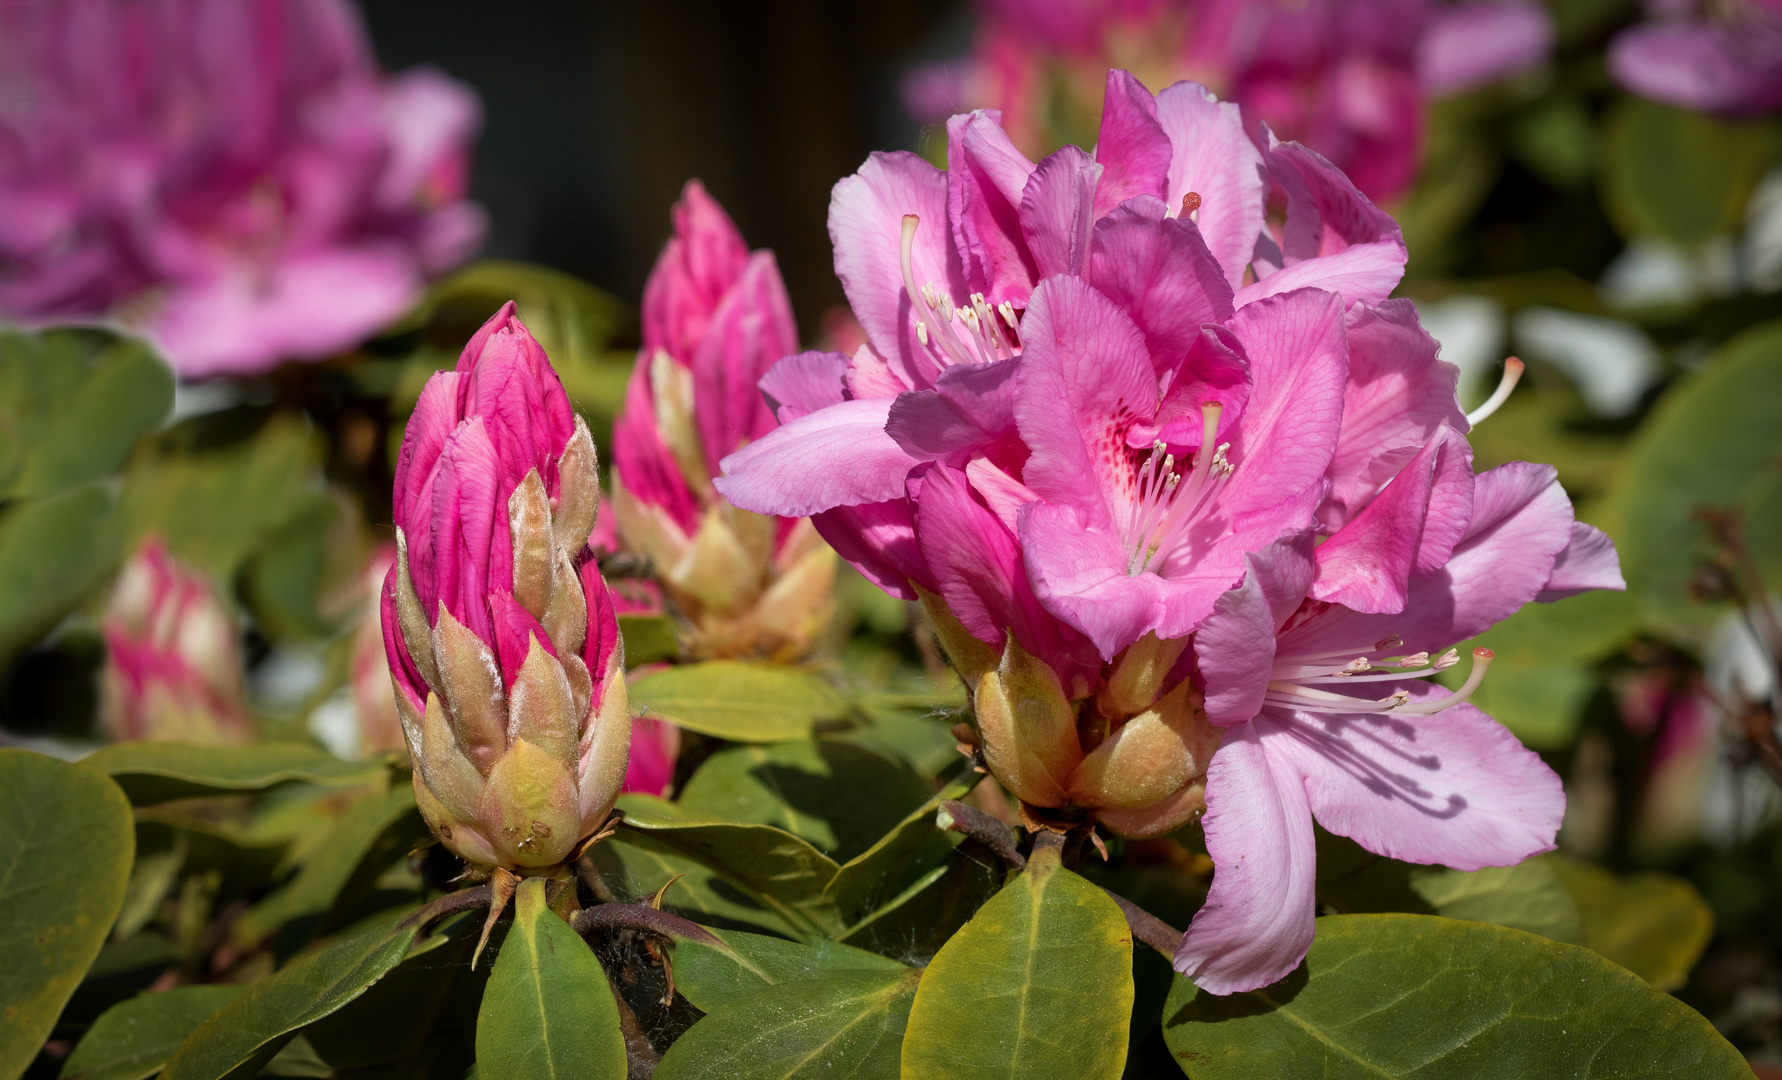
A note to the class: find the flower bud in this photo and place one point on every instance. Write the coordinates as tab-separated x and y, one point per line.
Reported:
172	665
501	635
715	319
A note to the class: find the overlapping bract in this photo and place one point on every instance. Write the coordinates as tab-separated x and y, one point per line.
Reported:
236	179
1189	500
172	659
715	319
501	634
1349	78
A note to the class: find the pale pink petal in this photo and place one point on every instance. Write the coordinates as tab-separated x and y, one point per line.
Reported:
869	376
1058	212
838	456
1454	788
805	382
1588	562
1257	922
969	407
1213	158
985	177
1236	644
1479	41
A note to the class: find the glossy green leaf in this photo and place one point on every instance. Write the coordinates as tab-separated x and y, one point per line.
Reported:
157	772
53	551
1679	174
649	638
1653	924
547	1011
1712	441
867	880
840	797
1038	986
134	1038
781	872
1427	997
731	699
66	841
72	402
843	1025
930	910
1527	896
248	1031
712	977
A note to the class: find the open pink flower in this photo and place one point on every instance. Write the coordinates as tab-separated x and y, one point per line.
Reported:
1325	716
236	179
1723	57
716	319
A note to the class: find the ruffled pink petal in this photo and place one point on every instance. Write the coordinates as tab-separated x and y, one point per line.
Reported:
1158	269
1334	237
1257	922
969	407
985	177
1058	212
1588	562
748	333
465	514
1209	369
434	417
1213	158
642	462
866	214
804	383
879	540
1454	788
838	456
1236	644
1131	146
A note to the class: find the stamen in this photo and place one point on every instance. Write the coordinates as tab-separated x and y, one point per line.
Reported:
1447	660
1512	375
1482	658
1418	659
1007	310
926	300
1390	641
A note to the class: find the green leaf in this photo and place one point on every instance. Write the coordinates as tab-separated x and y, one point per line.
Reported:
782	872
649	638
1037	986
1527	896
713	977
1542	677
72	403
52	551
1677	174
632	872
1421	996
1653	924
865	881
547	1011
158	772
66	841
1712	441
248	1031
930	910
841	1025
747	702
838	796
372	833
134	1038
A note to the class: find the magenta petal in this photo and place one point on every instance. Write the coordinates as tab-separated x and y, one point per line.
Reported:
515	630
1257	922
1398	396
1058	212
804	383
1085	373
1298	364
696	268
1131	145
642	462
465	515
1334	237
403	671
1455	788
838	456
969	407
1080	574
603	625
879	540
1158	269
1210	368
1213	158
866	213
654	745
1236	645
750	331
1588	562
869	376
434	417
985	177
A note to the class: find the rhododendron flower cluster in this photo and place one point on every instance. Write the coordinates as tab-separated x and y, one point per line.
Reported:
172	656
1188	498
1349	78
236	179
500	632
715	319
1717	57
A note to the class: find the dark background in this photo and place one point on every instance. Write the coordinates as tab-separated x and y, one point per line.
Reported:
597	111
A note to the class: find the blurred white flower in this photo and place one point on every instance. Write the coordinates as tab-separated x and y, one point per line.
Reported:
1611	362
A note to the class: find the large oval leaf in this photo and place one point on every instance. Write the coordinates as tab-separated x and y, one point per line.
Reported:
712	976
66	841
1037	986
746	702
1423	996
1655	925
846	1024
153	772
547	1011
134	1038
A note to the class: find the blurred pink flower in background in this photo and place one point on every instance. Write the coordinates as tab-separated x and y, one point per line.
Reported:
374	696
1716	57
235	178
1348	78
654	746
172	662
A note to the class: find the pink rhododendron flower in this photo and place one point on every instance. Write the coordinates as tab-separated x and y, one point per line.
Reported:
1349	78
172	661
374	701
654	746
716	319
1721	57
236	179
500	633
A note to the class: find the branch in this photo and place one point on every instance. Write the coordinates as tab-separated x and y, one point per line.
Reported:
1147	927
981	827
450	904
644	918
